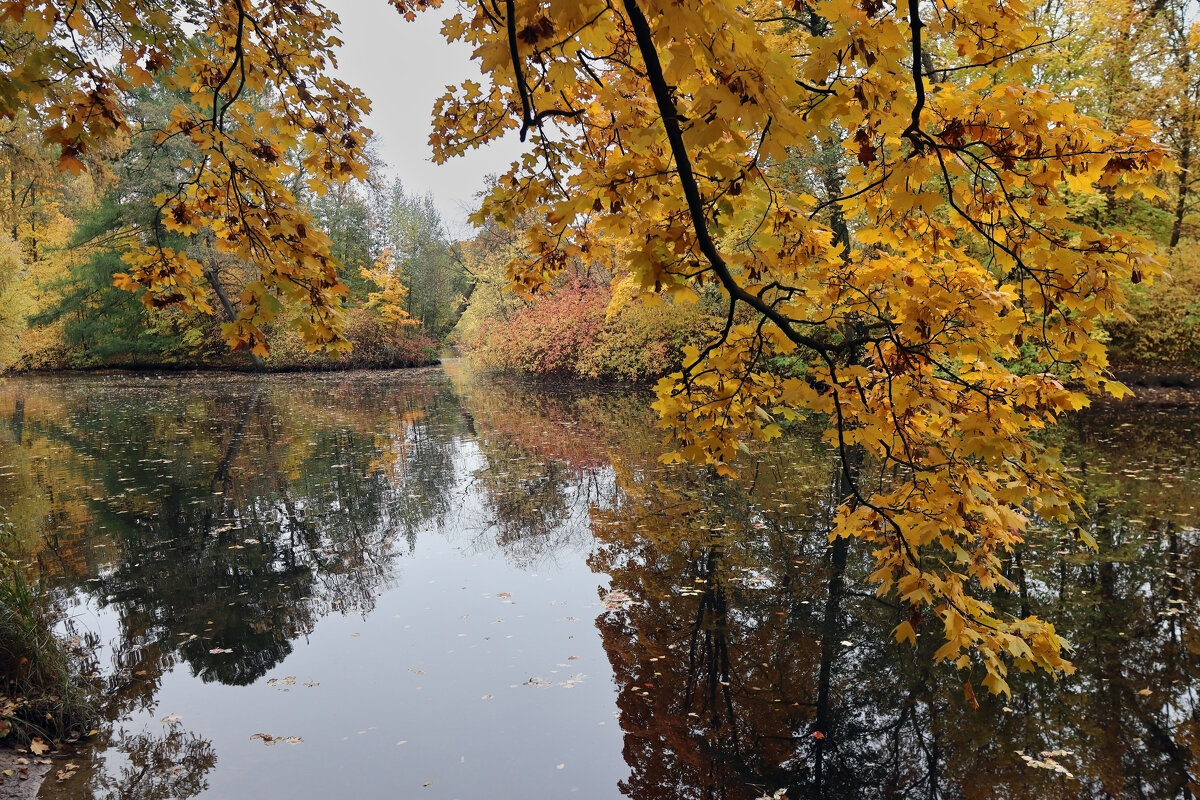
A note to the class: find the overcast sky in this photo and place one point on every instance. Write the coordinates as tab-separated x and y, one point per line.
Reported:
403	67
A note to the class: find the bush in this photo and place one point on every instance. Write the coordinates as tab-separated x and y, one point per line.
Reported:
570	333
550	336
376	345
1165	336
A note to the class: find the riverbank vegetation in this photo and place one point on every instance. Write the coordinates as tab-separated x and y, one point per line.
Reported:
70	236
42	694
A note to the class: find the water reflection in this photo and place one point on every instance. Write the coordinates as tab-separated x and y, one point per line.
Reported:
221	520
237	513
756	658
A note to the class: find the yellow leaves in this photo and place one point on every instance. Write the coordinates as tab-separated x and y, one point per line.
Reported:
904	632
996	684
389	301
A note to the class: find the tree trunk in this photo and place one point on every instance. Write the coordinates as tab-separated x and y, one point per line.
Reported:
1185	161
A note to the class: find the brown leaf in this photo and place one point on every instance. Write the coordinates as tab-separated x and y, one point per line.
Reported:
969	694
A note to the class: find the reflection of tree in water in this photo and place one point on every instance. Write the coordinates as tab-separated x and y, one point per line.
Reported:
172	765
236	514
546	463
749	633
755	656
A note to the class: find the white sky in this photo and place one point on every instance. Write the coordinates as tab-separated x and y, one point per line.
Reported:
403	67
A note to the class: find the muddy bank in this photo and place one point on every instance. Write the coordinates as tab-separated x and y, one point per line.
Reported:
20	775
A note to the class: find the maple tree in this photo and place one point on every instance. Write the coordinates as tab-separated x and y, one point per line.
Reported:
256	78
912	269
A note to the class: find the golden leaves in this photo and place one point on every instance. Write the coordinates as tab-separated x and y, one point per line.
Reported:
274	50
893	281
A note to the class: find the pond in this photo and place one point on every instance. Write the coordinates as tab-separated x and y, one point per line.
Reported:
426	584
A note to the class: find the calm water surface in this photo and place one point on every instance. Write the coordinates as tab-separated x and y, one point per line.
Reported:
421	584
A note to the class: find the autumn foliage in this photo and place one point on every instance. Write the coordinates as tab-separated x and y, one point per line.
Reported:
882	187
890	199
576	331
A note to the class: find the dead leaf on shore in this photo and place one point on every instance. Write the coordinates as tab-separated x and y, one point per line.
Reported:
38	746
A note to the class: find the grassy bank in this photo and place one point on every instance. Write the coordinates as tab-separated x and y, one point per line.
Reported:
41	688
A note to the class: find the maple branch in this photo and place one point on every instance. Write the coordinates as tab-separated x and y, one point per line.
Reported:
529	118
913	132
691	189
510	21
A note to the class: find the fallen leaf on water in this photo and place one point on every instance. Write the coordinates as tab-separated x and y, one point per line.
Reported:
268	739
216	650
171	718
1146	692
615	600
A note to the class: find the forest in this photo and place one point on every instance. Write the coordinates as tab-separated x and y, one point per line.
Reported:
412	293
935	228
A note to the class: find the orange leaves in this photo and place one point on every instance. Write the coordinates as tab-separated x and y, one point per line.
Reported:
409	8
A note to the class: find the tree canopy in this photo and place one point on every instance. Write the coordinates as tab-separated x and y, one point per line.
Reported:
889	200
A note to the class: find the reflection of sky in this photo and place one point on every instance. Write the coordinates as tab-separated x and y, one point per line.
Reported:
442	664
403	67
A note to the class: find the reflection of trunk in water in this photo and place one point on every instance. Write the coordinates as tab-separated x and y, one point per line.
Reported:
18	420
831	623
830	634
709	646
221	474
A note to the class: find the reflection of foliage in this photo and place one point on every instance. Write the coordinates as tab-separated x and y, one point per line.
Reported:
749	632
546	459
157	767
755	657
230	515
173	766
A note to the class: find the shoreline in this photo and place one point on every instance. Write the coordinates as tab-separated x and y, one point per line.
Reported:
27	778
